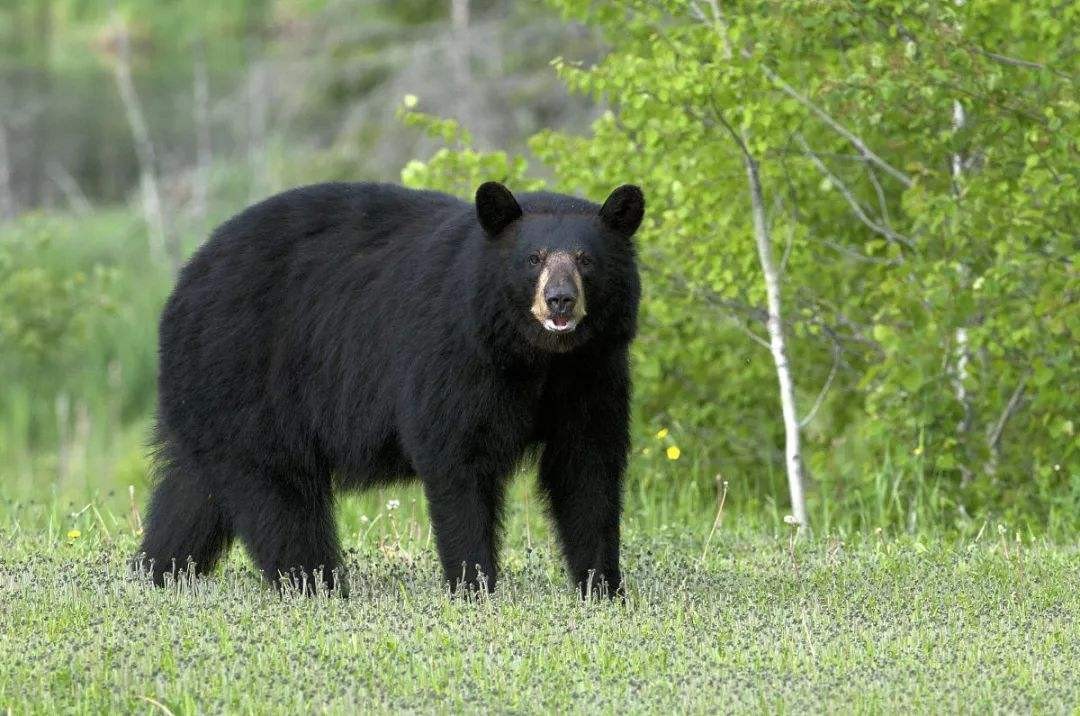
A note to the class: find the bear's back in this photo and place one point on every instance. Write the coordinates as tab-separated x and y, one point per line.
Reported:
257	308
367	213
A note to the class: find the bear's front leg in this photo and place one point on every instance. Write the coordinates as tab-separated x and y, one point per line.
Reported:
465	510
582	466
584	488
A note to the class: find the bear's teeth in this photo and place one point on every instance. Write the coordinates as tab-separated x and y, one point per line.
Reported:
565	326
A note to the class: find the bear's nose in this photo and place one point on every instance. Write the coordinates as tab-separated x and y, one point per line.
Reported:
560	302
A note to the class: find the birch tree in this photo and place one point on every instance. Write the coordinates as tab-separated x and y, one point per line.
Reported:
774	323
153	210
201	114
7	197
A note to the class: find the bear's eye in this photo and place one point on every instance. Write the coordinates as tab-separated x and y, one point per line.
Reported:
585	259
534	259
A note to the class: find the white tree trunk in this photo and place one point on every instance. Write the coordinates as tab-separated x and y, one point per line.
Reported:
203	156
778	344
459	61
258	108
459	15
963	350
144	147
7	199
959	119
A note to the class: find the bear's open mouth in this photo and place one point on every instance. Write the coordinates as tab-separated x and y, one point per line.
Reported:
560	324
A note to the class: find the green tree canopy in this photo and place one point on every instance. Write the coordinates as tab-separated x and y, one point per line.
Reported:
919	172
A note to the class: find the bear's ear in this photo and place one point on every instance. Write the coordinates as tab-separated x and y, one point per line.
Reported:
624	209
496	207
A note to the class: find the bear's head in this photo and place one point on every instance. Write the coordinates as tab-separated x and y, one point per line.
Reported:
567	266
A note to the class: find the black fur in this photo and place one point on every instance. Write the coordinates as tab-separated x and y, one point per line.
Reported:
350	335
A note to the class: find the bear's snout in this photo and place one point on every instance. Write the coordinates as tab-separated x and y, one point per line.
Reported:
559	301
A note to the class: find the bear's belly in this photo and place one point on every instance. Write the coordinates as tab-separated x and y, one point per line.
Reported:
370	466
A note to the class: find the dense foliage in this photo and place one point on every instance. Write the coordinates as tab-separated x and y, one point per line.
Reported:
920	164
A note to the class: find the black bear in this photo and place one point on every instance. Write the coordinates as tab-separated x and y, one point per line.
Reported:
343	336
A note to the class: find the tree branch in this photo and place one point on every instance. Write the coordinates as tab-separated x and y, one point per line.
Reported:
1017	62
69	188
993	438
856	256
824	389
883	205
731	307
840	129
856	207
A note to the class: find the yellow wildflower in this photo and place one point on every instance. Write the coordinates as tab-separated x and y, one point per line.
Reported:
74	534
673	453
662	434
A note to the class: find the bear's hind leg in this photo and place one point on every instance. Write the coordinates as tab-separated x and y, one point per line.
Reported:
290	533
184	524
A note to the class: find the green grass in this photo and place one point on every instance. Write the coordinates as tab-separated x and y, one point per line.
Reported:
753	623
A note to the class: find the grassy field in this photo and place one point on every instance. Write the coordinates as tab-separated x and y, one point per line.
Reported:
747	622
